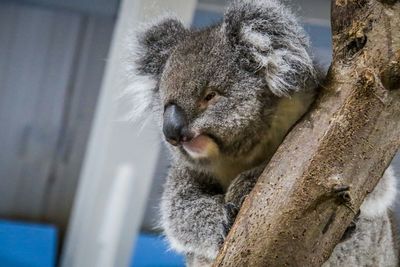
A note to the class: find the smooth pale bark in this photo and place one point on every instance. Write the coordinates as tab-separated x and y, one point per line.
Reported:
292	218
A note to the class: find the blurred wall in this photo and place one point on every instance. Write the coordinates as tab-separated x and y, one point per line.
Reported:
121	157
51	64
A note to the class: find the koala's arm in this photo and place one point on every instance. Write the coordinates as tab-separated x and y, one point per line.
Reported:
195	218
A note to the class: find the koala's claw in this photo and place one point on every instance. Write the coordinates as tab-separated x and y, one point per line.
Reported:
231	209
351	229
231	212
343	195
243	199
342	192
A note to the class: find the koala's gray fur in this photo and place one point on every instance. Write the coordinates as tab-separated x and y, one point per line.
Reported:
258	65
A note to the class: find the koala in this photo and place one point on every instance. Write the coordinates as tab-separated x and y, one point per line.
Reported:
224	98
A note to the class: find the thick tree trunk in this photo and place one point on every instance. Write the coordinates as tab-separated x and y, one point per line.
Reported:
292	218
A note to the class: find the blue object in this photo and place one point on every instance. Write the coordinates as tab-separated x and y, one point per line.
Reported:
27	245
206	18
152	251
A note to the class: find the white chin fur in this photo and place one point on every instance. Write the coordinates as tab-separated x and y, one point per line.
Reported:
196	154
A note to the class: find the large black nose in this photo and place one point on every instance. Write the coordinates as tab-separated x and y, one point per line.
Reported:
174	124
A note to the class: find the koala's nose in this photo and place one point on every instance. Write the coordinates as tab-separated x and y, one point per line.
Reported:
174	124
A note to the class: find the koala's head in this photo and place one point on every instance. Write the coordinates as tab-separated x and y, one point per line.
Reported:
216	89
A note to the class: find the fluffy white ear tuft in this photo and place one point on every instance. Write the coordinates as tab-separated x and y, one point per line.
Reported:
269	34
140	93
148	50
140	86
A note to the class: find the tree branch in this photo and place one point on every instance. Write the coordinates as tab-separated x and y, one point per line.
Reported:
349	138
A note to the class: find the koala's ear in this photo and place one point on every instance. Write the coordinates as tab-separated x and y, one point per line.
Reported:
269	40
154	45
146	58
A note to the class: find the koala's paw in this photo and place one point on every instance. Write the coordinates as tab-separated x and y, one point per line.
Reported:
216	232
215	239
241	186
203	229
231	212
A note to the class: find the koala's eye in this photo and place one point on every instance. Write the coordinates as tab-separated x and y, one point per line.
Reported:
210	96
209	99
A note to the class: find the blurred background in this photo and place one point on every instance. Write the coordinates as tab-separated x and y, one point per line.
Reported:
80	186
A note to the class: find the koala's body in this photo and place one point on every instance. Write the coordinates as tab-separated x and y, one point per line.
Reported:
225	97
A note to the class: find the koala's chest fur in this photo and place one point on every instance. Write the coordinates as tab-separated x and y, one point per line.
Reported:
287	112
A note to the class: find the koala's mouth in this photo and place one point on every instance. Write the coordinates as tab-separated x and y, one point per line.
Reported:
201	146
